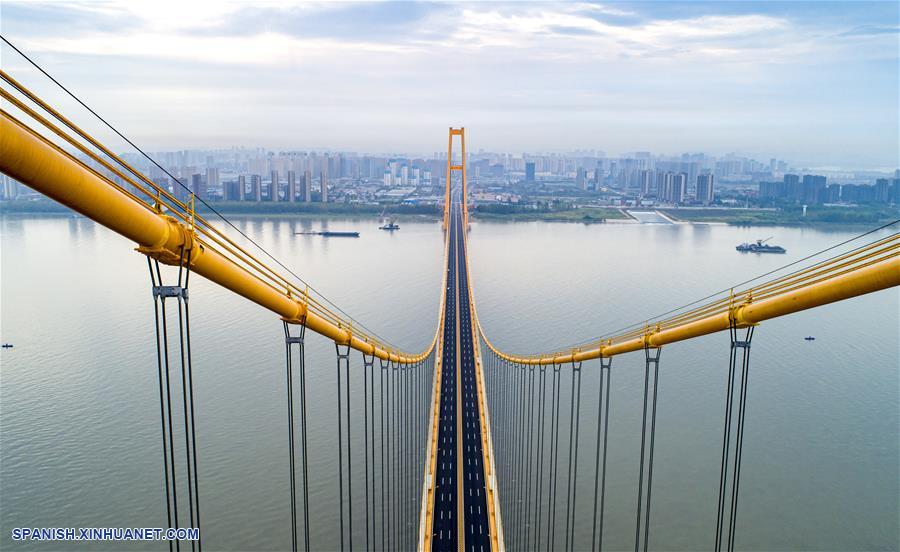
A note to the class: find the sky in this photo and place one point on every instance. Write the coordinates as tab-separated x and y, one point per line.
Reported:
813	83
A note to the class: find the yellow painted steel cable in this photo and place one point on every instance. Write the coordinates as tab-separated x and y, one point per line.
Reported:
881	254
56	114
14	140
176	207
641	325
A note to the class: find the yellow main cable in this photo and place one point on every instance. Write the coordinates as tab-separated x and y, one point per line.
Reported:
312	302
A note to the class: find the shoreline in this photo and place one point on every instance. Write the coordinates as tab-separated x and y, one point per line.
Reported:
599	216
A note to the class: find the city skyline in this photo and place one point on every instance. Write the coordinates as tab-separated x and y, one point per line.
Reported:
814	83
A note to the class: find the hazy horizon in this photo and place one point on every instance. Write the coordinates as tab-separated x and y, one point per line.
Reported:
813	83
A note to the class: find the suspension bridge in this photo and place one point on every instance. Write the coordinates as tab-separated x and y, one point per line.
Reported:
462	445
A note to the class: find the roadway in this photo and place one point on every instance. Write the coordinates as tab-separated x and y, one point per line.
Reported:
460	520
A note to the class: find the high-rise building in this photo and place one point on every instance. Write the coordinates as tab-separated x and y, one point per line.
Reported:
256	187
529	171
679	188
291	194
812	189
273	187
307	186
581	179
197	187
212	178
771	189
882	190
792	187
664	183
323	186
705	193
232	190
646	178
242	187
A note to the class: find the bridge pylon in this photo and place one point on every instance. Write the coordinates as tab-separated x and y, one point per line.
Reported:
461	168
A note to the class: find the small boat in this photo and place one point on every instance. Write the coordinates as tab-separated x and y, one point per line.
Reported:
391	226
809	338
760	247
329	234
7	346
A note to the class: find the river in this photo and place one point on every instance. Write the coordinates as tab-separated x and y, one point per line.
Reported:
79	414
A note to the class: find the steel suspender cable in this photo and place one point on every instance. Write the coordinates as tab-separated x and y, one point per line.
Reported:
303	457
726	440
340	448
554	470
401	455
572	487
162	402
406	450
290	402
180	293
655	360
346	355
389	489
395	518
520	466
523	417
190	378
183	328
541	407
371	447
605	438
514	472
366	364
637	529
165	332
530	456
381	435
651	358
739	443
602	427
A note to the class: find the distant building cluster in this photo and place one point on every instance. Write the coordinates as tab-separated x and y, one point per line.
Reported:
813	189
641	178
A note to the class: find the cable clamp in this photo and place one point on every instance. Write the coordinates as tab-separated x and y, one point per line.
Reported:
170	291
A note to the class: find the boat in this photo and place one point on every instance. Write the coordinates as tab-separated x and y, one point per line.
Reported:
760	247
7	345
809	338
330	234
391	226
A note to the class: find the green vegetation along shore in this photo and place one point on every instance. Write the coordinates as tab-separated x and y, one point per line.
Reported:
791	216
515	213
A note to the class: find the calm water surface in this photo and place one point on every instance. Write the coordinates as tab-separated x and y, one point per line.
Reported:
80	437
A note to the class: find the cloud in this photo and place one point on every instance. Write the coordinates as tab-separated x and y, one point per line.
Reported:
620	74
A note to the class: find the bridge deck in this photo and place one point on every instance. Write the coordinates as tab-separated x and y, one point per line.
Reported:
461	517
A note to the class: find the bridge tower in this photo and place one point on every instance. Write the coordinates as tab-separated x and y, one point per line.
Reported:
461	132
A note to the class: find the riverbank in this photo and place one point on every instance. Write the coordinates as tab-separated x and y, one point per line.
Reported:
815	216
44	206
866	216
586	215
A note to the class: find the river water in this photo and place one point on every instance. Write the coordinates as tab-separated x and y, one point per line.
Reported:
79	414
